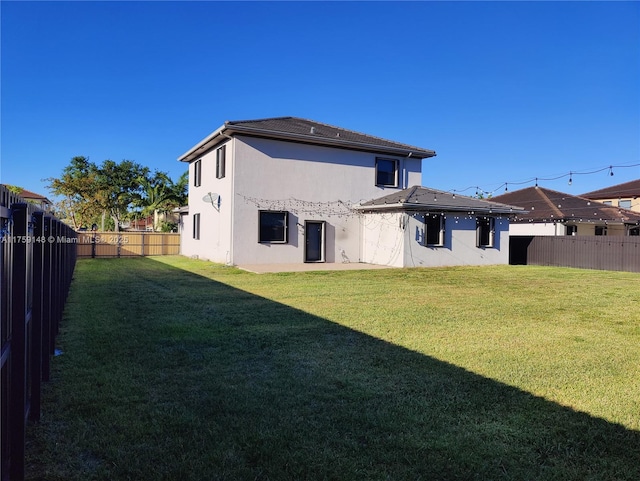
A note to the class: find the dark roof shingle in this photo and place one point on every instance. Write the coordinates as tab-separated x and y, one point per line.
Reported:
546	205
428	199
306	131
625	190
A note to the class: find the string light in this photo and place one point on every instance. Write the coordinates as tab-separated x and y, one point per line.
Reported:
609	169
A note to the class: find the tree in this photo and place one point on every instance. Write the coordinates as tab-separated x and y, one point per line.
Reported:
160	193
79	188
119	187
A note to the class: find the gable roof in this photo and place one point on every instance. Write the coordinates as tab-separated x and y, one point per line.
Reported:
31	196
419	198
546	205
625	190
295	129
27	194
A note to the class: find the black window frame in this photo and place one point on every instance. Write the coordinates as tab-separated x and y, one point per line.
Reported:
433	222
572	229
396	172
196	226
485	229
600	230
197	173
221	160
264	228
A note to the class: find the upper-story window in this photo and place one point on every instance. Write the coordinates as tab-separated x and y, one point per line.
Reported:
220	161
625	203
197	173
601	230
387	172
434	230
485	231
572	229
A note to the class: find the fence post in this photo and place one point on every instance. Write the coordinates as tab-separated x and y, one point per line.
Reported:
36	315
19	320
47	332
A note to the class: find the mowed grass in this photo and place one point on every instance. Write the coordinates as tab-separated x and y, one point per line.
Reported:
178	369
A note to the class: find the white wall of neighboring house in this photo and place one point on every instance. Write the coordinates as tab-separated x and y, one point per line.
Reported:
555	229
398	240
537	228
308	181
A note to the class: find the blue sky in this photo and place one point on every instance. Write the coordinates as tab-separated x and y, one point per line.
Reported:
502	91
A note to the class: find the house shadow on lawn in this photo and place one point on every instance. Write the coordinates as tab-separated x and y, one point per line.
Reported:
241	387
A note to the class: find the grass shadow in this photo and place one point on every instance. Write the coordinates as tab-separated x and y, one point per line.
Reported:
171	375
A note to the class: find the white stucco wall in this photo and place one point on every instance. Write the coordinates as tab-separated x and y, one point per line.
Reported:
398	240
537	228
551	229
312	183
215	223
307	181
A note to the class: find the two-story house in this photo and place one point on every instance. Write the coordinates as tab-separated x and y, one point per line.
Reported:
290	190
625	195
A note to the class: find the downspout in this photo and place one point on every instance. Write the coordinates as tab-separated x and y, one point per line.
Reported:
232	196
405	172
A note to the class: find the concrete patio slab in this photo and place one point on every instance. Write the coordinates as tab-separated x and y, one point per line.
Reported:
308	267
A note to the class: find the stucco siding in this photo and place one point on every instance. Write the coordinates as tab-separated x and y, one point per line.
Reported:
311	183
398	240
214	243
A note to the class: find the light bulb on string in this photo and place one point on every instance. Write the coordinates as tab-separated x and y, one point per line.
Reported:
570	179
611	170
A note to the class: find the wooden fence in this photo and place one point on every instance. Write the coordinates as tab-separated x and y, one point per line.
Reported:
37	256
127	244
613	253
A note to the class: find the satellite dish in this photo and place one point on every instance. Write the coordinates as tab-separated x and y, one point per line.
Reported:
210	197
213	199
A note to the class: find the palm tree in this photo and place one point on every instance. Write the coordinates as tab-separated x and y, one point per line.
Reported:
159	194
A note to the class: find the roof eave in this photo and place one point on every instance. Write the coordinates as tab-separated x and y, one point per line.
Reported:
228	130
440	208
204	145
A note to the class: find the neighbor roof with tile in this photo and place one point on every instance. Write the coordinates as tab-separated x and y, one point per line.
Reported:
295	129
625	190
546	205
419	198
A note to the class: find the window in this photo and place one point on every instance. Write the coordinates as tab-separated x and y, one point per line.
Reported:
387	172
220	161
601	230
572	230
273	227
434	229
607	202
634	231
485	231
196	226
197	173
625	204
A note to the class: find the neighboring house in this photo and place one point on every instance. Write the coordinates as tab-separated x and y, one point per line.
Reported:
554	213
290	190
625	195
32	198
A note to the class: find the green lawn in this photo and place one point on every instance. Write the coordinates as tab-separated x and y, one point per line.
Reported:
178	369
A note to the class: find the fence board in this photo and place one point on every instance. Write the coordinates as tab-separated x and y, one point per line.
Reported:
127	244
615	253
37	256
